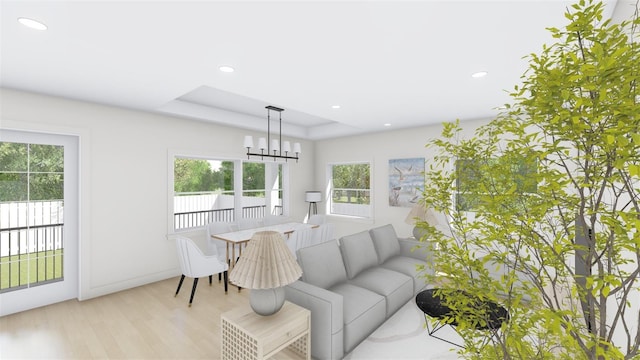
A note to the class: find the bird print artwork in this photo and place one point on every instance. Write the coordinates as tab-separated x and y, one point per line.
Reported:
406	181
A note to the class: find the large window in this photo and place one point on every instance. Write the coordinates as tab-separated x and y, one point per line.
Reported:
350	189
206	190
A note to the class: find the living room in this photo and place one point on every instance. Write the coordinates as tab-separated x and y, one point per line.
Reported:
125	158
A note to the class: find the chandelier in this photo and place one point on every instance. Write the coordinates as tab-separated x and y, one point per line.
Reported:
270	148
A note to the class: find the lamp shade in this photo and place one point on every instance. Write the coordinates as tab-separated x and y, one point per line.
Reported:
420	213
248	141
266	263
262	143
286	146
297	148
313	196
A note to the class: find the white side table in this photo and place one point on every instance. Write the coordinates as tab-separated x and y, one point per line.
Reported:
247	335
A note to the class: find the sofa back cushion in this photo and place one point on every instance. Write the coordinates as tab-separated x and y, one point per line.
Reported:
358	253
386	242
322	264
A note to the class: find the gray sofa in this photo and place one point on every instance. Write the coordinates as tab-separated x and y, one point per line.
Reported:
353	285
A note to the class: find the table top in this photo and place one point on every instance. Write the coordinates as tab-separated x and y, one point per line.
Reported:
433	304
241	236
249	321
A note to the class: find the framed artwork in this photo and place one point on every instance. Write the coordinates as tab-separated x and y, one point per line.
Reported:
406	181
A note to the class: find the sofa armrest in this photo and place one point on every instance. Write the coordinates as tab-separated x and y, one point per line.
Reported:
413	248
327	322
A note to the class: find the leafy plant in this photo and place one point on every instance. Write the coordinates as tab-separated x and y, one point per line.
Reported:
564	259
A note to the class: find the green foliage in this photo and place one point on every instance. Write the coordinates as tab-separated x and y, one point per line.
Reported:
577	118
354	178
197	175
31	172
253	178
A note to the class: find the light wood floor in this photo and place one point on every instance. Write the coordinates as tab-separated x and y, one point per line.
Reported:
147	322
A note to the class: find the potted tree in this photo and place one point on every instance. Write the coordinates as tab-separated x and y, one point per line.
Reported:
543	203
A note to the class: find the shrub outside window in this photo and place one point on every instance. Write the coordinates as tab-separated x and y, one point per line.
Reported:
350	189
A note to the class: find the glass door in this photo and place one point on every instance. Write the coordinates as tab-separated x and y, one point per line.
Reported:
38	219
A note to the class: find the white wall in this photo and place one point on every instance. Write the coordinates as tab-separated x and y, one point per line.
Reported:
378	148
124	188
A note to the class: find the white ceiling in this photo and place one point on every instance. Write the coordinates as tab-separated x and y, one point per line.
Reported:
405	63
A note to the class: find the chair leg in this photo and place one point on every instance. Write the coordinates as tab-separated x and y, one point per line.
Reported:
179	285
193	291
210	279
226	281
219	277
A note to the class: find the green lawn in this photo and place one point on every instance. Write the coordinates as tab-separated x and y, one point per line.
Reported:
19	270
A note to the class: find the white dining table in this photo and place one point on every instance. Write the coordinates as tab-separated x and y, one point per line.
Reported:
242	237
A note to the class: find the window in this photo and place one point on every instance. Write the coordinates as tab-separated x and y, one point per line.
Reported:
206	190
350	189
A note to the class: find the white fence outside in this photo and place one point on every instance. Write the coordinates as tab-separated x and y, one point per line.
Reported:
17	219
186	202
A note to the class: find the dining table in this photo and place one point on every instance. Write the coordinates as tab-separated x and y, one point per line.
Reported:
242	237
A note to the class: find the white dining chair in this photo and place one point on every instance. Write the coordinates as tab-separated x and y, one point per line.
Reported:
218	247
292	243
249	223
195	264
302	237
323	233
317	219
275	220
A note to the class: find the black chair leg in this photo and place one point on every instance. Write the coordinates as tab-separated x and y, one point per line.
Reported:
210	279
193	291
179	285
226	281
219	277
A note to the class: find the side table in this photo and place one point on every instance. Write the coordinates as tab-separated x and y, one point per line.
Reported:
247	335
435	306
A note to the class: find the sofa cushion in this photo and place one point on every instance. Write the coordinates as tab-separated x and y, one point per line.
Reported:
364	311
396	287
358	253
385	241
407	265
322	264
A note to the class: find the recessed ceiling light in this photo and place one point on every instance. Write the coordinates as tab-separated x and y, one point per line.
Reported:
335	106
479	74
226	68
387	125
32	23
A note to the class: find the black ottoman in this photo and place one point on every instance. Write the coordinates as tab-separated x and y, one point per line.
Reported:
434	306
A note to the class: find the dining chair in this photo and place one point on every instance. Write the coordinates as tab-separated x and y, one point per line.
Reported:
249	223
317	219
275	220
301	238
292	243
323	233
219	247
195	264
217	227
